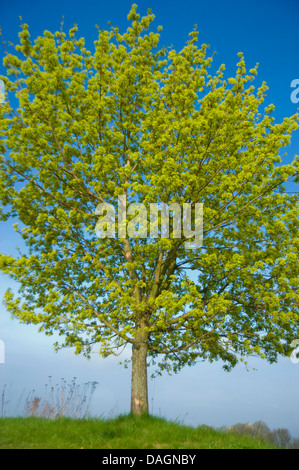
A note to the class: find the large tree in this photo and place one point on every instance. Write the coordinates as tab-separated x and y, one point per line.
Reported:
131	121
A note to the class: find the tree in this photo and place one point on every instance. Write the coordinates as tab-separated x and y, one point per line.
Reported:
134	123
258	429
294	443
281	438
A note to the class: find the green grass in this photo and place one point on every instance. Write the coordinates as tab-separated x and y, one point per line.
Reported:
124	432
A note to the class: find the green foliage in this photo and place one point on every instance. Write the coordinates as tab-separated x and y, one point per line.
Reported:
154	125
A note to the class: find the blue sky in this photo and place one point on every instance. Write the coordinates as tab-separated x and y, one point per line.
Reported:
265	31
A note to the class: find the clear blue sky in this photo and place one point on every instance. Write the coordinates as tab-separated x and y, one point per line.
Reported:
266	31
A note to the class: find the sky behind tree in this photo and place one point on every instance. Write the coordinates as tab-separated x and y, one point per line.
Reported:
266	32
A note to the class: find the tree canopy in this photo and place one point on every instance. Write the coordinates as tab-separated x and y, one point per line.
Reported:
151	125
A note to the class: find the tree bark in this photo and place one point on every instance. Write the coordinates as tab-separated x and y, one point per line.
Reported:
139	392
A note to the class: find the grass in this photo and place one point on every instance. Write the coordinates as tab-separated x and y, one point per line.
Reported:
123	432
63	399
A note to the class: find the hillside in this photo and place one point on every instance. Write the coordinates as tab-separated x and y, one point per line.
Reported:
123	432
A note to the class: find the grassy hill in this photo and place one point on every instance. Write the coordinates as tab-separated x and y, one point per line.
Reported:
123	432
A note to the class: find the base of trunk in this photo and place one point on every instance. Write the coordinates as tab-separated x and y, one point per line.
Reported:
139	394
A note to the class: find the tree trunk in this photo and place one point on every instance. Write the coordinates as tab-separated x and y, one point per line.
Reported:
139	395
